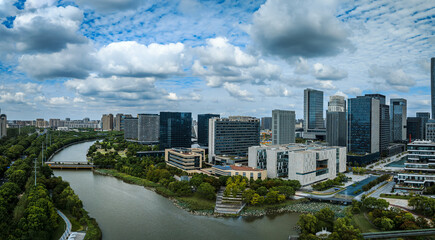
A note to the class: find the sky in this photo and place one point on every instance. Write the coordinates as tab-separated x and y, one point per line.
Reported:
84	58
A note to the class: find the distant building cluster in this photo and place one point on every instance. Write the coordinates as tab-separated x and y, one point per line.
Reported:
56	123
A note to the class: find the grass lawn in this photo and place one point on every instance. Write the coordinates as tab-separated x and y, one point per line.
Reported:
196	203
394	196
59	230
274	206
363	223
76	226
121	153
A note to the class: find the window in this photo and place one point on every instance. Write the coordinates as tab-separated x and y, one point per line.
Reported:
237	173
244	174
259	175
252	175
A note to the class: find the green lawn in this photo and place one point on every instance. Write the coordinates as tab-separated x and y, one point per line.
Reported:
394	196
363	223
196	203
274	206
76	226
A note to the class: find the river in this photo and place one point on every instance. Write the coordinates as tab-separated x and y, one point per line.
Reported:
126	211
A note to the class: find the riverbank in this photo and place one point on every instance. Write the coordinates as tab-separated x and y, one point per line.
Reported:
201	207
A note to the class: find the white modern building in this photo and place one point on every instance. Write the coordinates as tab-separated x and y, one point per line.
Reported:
420	165
283	127
306	163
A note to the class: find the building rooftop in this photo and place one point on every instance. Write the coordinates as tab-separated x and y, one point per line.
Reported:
422	142
237	168
298	147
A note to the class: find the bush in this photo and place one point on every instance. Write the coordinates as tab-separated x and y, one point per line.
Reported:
207	191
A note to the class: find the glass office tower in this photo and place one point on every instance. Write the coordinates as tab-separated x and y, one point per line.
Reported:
398	119
313	109
363	131
175	129
203	128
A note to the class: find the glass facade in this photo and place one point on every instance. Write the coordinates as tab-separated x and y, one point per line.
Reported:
233	137
384	121
203	128
432	84
414	128
175	129
359	117
313	112
398	119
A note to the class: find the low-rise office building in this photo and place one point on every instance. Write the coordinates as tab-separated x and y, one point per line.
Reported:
419	167
186	159
306	163
238	170
230	160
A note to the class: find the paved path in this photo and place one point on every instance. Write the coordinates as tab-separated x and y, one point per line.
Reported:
68	225
384	189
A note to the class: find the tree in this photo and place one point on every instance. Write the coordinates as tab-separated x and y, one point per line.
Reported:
9	192
307	223
345	231
262	191
257	199
274	197
325	219
181	188
207	191
247	195
287	191
19	177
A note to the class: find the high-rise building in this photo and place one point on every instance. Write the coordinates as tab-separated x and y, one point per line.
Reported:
175	129
232	136
283	127
148	127
363	125
40	123
384	121
117	122
203	128
313	109
336	121
432	85
3	123
130	128
414	128
425	116
107	122
54	123
266	123
314	124
398	119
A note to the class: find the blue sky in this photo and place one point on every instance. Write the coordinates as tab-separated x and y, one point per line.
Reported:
84	58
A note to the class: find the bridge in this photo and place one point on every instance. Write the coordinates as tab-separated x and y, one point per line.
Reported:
330	199
70	165
400	234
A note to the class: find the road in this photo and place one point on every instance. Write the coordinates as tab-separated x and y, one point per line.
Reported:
68	225
384	189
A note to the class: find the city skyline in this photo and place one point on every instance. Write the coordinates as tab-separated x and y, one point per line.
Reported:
89	58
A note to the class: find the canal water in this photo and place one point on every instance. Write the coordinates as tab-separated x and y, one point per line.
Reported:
126	211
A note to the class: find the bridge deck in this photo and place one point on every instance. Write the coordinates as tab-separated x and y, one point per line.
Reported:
70	165
400	234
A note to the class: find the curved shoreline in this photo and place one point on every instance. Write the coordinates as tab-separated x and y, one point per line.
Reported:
69	145
297	207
